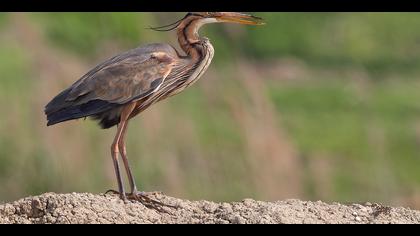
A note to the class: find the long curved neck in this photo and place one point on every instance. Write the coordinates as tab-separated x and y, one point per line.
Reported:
199	51
188	37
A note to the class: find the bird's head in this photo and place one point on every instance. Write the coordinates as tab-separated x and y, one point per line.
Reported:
201	18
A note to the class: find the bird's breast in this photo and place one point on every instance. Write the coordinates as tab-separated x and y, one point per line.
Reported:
202	65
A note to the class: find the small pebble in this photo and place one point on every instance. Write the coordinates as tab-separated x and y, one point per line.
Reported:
358	219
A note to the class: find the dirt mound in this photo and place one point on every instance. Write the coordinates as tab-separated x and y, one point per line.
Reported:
90	208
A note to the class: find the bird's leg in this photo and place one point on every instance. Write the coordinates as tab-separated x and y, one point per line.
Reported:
119	145
143	197
123	152
114	153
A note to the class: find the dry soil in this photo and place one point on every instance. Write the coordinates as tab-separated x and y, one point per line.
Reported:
51	208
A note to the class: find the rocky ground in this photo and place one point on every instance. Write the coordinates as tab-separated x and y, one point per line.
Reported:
90	208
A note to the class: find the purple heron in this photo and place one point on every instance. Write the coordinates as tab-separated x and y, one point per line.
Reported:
125	85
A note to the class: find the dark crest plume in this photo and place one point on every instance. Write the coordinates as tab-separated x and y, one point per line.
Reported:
170	26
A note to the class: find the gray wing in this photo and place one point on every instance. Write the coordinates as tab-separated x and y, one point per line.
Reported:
122	79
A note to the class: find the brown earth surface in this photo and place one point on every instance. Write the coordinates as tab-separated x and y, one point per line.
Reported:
90	208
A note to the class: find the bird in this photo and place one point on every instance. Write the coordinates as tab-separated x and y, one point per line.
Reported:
120	88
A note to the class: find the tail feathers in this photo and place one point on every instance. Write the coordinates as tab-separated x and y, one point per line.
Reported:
58	103
77	111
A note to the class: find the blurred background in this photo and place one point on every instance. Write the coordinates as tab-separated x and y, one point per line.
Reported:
315	106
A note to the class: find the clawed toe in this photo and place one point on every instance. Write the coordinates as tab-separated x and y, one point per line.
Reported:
112	191
144	198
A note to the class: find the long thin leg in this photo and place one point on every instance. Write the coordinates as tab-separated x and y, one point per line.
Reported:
114	154
123	152
119	146
121	129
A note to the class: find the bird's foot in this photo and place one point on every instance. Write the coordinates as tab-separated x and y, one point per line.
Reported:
123	196
144	198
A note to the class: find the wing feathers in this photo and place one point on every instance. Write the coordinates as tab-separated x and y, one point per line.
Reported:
120	80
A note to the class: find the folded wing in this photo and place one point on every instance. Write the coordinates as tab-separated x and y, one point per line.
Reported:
118	81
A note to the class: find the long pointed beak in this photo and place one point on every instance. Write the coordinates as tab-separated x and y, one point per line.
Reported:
240	18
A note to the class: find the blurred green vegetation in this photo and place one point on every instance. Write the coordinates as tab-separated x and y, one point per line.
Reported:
344	88
83	32
379	42
330	118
